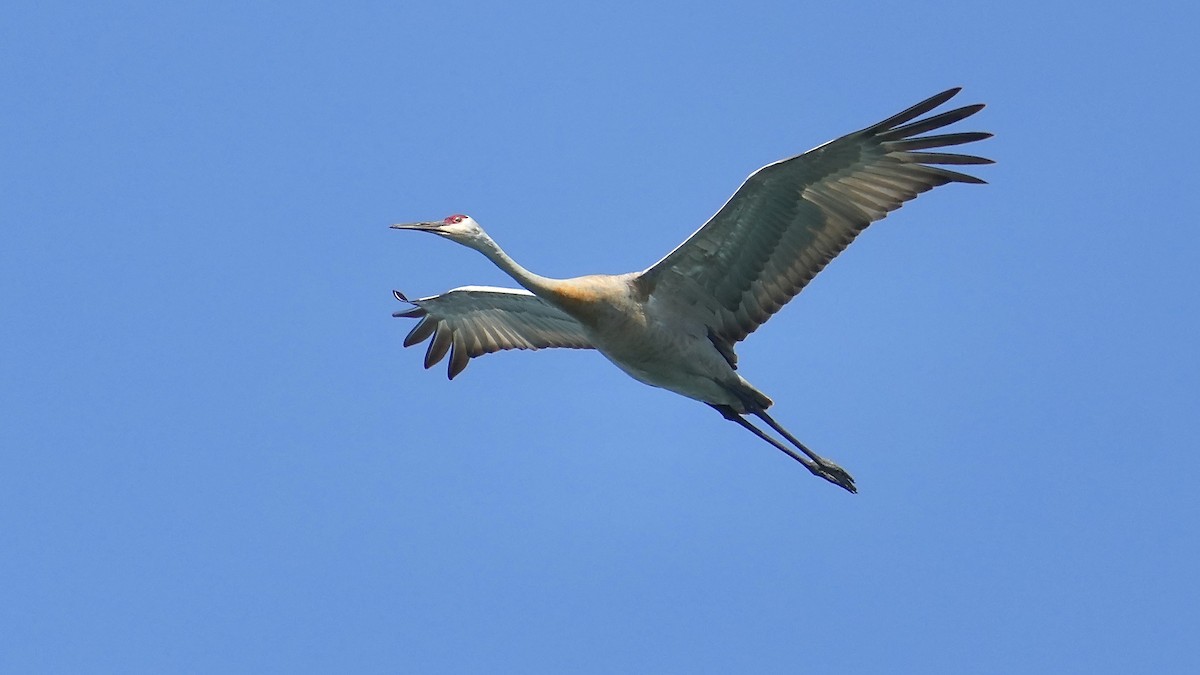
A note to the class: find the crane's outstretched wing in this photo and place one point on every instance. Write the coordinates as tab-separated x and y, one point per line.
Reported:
476	320
790	218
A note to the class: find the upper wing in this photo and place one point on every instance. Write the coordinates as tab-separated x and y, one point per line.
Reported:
476	320
792	217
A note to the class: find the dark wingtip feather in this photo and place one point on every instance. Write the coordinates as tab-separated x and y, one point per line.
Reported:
953	176
938	141
915	111
413	313
424	328
942	158
455	367
931	123
458	359
438	346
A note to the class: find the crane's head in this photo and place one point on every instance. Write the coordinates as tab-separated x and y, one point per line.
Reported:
459	228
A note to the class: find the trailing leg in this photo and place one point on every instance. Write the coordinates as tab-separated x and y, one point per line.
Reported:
829	470
818	466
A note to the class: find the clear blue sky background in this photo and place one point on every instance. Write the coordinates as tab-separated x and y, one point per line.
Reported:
216	456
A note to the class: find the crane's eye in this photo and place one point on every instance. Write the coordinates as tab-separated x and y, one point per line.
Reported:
457	218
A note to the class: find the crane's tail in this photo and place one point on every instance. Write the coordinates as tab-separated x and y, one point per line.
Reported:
751	398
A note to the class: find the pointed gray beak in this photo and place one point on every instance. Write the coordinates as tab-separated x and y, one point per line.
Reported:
424	227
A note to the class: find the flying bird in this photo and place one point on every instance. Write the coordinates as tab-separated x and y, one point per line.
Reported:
674	325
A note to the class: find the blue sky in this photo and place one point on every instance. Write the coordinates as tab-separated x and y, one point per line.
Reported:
218	458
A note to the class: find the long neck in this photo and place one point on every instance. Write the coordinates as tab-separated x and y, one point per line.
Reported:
534	283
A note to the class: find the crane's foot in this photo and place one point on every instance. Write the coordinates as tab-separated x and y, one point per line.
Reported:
834	474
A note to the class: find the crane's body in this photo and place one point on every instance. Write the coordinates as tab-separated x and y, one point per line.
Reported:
651	339
675	324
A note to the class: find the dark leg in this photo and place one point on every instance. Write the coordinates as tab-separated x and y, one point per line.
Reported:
818	465
829	471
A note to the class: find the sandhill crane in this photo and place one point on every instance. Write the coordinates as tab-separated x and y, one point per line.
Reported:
675	324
